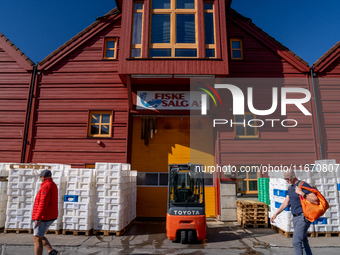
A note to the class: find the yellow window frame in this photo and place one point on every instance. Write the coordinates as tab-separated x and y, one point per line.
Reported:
173	45
236	49
247	179
210	46
99	124
256	135
138	46
106	48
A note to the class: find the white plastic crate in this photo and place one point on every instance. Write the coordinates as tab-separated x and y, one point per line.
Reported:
114	207
101	179
69	212
100	207
84	213
84	227
28	192
113	214
11	225
84	199
331	214
56	226
24	212
71	185
82	220
101	193
26	171
82	206
330	193
69	226
26	205
87	179
11	218
28	178
71	178
70	205
100	199
26	185
101	166
332	200
86	172
334	207
322	228
99	220
13	205
14	179
72	172
331	221
114	200
334	228
85	185
330	180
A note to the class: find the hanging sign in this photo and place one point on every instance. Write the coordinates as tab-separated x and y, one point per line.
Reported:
169	100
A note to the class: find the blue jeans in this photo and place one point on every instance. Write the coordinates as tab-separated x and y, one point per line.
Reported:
300	241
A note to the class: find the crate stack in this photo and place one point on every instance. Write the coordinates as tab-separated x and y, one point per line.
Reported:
3	193
58	176
20	191
79	201
326	183
115	197
263	190
252	213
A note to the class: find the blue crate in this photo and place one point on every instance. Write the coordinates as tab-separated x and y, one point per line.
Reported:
280	193
320	220
278	204
71	198
338	186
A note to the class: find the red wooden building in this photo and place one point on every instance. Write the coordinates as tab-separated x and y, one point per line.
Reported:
15	84
119	90
327	85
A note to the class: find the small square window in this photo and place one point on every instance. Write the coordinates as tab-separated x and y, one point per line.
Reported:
100	124
110	48
245	126
236	49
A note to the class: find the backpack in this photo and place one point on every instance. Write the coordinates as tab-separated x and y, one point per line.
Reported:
311	211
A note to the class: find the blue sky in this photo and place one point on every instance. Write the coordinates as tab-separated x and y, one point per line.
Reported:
308	28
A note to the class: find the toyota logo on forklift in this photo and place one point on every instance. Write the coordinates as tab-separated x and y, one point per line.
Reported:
185	219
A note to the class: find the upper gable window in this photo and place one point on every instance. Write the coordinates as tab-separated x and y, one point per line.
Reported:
110	48
236	48
173	28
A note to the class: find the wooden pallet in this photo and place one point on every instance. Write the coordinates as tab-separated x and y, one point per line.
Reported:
2	229
18	231
56	232
326	234
290	234
117	233
77	232
250	204
254	225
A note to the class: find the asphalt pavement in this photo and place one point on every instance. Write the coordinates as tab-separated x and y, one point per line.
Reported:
148	237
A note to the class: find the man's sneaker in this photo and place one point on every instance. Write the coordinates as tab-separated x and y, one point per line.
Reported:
54	252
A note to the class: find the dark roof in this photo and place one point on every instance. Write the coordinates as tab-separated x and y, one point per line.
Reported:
30	62
327	54
249	21
98	20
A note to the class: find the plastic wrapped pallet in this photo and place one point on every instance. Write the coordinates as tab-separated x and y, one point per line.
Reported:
115	196
79	199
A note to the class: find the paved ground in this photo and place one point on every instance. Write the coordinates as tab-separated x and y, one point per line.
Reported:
149	238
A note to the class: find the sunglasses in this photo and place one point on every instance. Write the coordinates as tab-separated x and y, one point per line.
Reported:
287	178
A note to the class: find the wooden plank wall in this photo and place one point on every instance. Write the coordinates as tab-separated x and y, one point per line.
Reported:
80	82
276	145
14	92
328	92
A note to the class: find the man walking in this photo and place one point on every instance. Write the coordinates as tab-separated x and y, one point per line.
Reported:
301	224
45	211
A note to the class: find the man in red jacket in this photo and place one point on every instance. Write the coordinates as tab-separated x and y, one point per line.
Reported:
45	211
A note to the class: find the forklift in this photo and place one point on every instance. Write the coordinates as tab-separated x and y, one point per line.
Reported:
185	219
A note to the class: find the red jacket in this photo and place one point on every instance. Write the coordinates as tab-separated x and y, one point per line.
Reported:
46	202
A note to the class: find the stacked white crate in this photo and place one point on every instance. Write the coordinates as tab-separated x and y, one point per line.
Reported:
20	191
59	179
326	182
3	193
79	184
115	196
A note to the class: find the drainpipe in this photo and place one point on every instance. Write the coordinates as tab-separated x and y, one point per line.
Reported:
316	111
29	113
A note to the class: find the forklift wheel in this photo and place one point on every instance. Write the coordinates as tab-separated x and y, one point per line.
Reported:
191	236
184	237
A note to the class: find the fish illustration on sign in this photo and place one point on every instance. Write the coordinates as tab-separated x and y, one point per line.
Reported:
150	104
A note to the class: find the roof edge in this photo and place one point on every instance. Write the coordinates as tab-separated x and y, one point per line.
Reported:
18	52
62	47
327	55
250	22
